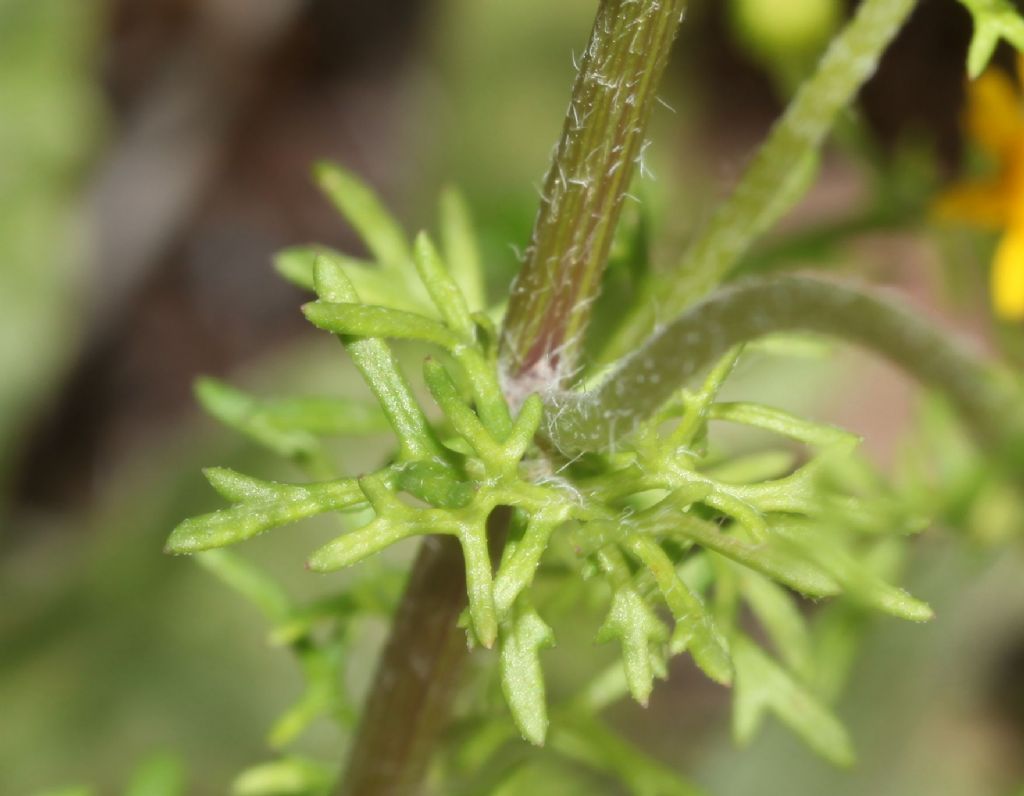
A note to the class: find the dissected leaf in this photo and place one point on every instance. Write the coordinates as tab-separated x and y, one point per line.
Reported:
357	202
784	423
641	634
522	638
762	685
695	629
993	20
289	776
522	556
354	546
587	739
323	696
377	364
479	581
782	621
460	249
464	420
375	285
434	483
443	290
855	578
246	520
363	320
241	411
769	558
250	581
289	425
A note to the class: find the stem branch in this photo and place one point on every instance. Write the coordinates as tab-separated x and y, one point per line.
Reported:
775	178
648	377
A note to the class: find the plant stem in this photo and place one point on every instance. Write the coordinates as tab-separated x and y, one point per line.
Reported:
601	145
775	178
410	699
416	679
989	405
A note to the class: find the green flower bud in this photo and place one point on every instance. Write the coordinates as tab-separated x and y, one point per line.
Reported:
786	29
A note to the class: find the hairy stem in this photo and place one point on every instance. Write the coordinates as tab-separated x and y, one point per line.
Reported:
990	405
601	145
774	179
411	696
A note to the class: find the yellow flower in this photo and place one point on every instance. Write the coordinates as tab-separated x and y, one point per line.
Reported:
994	120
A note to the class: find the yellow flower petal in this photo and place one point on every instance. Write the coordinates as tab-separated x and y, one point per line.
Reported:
982	204
1008	276
994	117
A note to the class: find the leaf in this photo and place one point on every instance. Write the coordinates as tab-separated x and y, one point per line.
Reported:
784	423
460	249
781	620
463	419
856	579
479	580
525	428
289	776
285	424
380	371
522	556
753	467
695	629
322	697
238	487
762	685
241	411
158	775
250	581
375	285
327	416
352	547
434	483
297	264
363	320
769	558
641	634
443	290
247	520
374	593
839	630
993	20
360	206
522	679
586	739
693	423
739	510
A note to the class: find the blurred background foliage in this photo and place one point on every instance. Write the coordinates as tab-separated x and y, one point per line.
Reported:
155	153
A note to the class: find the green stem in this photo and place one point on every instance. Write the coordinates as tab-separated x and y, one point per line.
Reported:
773	181
601	145
990	405
411	696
